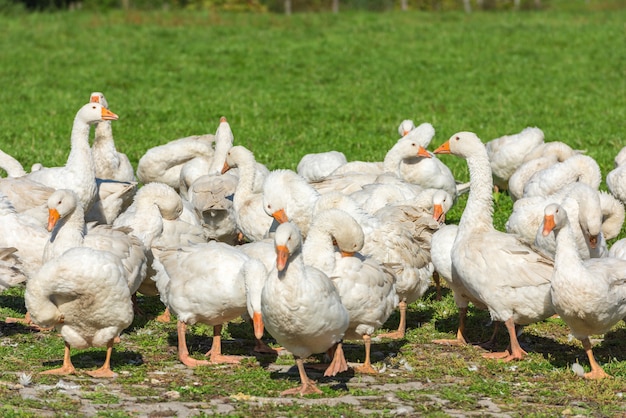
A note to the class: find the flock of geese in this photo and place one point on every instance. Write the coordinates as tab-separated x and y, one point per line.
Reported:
314	256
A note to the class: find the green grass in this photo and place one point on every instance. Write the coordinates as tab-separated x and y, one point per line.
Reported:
311	83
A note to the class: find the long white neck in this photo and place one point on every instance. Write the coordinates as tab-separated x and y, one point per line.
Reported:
478	213
318	250
69	232
567	256
219	156
392	159
80	160
245	186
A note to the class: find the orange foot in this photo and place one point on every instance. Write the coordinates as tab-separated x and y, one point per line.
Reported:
164	317
597	375
64	370
102	372
395	335
221	359
497	355
366	369
192	362
308	388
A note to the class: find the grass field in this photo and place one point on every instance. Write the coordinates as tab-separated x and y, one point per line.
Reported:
311	83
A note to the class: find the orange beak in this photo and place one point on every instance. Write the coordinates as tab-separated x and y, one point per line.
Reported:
347	254
280	216
593	241
257	325
282	254
95	99
108	115
443	148
223	119
225	168
405	133
53	218
423	153
548	224
438	214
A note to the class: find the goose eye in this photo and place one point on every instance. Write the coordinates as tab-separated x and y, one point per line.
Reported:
457	138
269	207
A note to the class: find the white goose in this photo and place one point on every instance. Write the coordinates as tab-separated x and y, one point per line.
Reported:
507	153
301	307
405	127
527	216
367	289
404	148
252	221
85	296
540	158
68	230
398	237
78	174
589	295
288	196
197	167
498	269
579	167
198	292
164	163
108	162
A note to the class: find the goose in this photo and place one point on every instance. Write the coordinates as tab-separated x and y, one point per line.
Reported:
300	306
367	289
405	127
579	167
507	152
398	237
78	174
616	178
527	216
84	294
377	195
288	196
252	221
164	163
68	230
589	295
108	162
403	148
317	166
520	292
540	158
197	167
154	207
201	292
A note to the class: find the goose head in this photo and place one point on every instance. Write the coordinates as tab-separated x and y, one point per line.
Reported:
554	218
94	113
405	127
462	144
61	203
442	202
287	241
97	97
